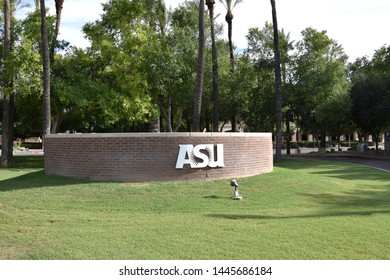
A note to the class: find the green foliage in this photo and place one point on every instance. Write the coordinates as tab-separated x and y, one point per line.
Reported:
257	94
121	41
150	59
320	78
381	61
259	113
142	64
359	69
335	112
260	109
371	104
171	65
370	93
84	99
27	68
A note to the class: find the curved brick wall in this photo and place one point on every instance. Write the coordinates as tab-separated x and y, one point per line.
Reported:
140	157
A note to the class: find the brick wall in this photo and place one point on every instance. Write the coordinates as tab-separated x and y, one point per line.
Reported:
140	157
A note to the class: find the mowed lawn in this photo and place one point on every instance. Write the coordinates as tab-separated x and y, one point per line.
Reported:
304	209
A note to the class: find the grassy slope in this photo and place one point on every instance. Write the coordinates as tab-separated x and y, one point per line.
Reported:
303	210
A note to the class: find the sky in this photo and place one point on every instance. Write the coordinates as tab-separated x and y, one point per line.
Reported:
358	25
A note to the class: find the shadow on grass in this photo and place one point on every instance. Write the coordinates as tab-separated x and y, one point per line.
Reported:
26	162
214	196
376	196
308	216
358	173
369	189
36	179
338	169
32	175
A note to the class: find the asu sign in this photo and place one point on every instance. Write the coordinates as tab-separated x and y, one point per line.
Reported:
162	157
200	156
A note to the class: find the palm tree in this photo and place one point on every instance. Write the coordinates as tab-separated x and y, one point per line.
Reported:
59	4
278	85
229	5
210	5
6	131
199	72
46	71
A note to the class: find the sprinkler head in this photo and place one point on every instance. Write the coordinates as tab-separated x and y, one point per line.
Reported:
233	183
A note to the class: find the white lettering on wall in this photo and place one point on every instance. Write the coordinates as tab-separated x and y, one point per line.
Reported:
200	156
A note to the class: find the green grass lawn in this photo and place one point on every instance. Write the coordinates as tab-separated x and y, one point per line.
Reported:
303	210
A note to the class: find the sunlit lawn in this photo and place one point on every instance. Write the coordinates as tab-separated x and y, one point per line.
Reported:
303	210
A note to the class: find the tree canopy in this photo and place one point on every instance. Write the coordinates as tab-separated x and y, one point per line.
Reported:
141	69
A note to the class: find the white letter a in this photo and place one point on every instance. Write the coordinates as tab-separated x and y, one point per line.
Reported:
184	156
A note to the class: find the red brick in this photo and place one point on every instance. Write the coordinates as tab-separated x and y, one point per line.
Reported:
152	156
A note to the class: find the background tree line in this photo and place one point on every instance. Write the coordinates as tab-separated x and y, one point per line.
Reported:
140	72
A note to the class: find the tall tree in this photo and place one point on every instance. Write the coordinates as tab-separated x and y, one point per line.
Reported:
20	72
371	105
159	19
381	61
260	112
278	86
6	131
229	5
124	43
319	73
46	71
210	4
59	5
181	68
199	71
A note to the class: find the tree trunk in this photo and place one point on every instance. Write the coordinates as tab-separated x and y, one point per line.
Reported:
53	45
278	86
229	20
322	146
5	139
288	140
210	5
169	114
199	74
57	122
11	131
52	48
179	120
377	144
46	71
233	113
5	134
